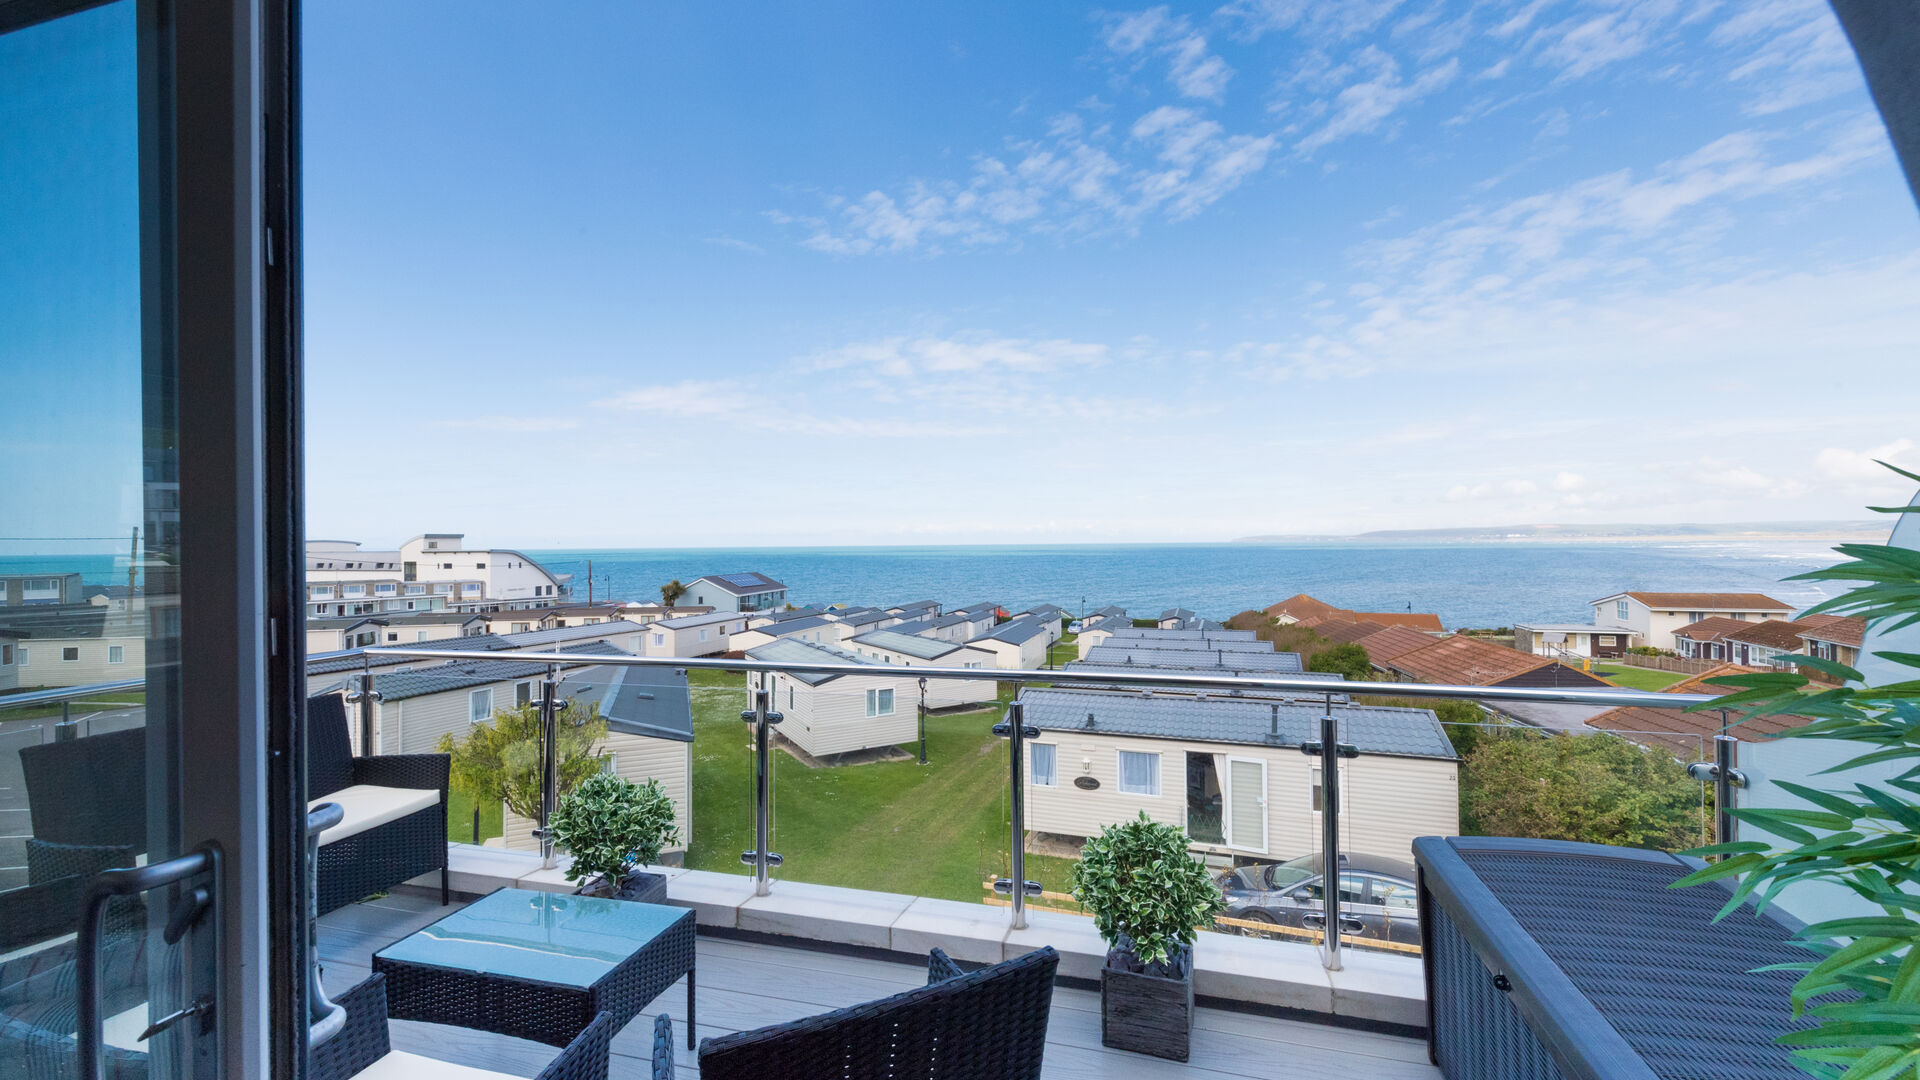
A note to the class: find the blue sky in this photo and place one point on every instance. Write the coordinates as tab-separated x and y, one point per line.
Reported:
658	275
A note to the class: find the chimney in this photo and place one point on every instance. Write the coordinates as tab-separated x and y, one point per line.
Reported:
1273	732
1089	721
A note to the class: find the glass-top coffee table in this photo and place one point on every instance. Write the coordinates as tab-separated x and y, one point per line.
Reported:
539	965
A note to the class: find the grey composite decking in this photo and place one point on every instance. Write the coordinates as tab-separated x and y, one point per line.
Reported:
749	984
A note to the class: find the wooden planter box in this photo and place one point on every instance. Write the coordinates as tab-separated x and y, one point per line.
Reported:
1147	1014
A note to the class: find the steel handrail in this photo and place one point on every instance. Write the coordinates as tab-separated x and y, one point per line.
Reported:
67	693
1156	679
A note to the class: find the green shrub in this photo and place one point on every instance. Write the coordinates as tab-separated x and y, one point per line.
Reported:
1349	661
1138	881
611	824
499	760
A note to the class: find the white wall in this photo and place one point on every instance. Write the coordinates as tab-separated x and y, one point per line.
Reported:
639	759
44	667
832	718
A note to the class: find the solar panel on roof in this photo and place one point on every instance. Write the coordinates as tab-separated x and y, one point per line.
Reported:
745	581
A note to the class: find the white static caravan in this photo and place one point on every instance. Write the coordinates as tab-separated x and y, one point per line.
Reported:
838	714
649	717
1020	644
1230	772
813	629
852	624
892	647
694	635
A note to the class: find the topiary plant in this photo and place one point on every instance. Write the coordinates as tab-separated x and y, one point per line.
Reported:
1144	890
610	825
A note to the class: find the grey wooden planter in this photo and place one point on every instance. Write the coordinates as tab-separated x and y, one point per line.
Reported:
1147	1014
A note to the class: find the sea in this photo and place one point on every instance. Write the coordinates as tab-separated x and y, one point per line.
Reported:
1477	584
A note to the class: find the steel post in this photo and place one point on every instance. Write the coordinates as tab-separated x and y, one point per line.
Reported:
1726	777
549	761
1330	838
761	858
1016	887
366	705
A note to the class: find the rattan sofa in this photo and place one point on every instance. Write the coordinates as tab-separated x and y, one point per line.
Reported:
989	1024
393	830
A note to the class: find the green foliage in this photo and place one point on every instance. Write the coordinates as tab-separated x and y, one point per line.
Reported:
1350	661
1648	650
499	761
611	824
1596	788
1862	986
1291	637
671	592
1137	880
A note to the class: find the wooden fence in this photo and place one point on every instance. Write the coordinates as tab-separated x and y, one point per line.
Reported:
1679	664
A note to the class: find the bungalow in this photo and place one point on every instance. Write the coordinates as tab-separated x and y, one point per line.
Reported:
1465	661
1688	734
649	715
908	650
1832	638
812	628
692	635
737	592
1018	644
1230	772
1389	643
1706	639
1176	618
1654	616
825	715
1578	639
1757	644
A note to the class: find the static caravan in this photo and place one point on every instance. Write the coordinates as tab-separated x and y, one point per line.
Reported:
854	624
893	647
826	715
1020	644
813	629
694	635
56	646
649	717
1230	772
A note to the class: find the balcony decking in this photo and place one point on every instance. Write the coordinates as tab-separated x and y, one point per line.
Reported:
746	985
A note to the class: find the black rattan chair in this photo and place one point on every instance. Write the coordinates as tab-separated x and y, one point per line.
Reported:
354	867
989	1024
363	1041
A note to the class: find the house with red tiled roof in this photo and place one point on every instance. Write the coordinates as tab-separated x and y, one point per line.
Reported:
1836	638
1654	616
1310	612
1757	645
1465	661
1388	643
1689	734
1706	639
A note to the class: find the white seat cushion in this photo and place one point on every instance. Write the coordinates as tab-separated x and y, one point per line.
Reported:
400	1065
369	807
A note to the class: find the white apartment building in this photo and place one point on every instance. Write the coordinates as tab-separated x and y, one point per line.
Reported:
430	572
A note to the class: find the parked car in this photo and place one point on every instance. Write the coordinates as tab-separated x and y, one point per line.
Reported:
1377	896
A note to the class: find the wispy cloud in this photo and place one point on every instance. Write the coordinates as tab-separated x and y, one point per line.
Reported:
736	244
514	424
1362	106
1192	69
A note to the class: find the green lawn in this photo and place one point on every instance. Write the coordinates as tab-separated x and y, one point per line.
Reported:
1064	650
460	819
1637	678
77	708
937	830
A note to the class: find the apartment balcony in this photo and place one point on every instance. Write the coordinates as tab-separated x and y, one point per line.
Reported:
1266	1009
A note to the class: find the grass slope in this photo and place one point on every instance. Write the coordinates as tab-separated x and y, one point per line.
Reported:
1637	678
937	830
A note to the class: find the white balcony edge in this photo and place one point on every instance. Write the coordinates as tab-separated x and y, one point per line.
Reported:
1371	987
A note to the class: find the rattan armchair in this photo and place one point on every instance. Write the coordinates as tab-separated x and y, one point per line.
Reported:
376	859
989	1024
363	1041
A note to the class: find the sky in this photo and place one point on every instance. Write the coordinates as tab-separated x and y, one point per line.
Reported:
661	275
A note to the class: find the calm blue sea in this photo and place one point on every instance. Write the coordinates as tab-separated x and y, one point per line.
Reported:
1478	584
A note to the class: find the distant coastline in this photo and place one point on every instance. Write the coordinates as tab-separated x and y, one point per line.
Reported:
1734	532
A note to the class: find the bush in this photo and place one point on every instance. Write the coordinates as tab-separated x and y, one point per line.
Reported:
499	760
611	824
1141	886
1596	788
1350	661
1292	637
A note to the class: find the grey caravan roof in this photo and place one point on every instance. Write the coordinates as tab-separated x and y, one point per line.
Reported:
648	701
788	650
1271	662
893	640
1016	631
1374	729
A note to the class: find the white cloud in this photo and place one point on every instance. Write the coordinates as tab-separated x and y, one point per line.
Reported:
906	356
1519	487
1466	492
1362	106
1191	69
1863	466
1315	20
736	244
515	424
1568	481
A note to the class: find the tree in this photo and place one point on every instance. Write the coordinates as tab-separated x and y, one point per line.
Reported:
1291	637
1596	788
671	592
1350	661
499	760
